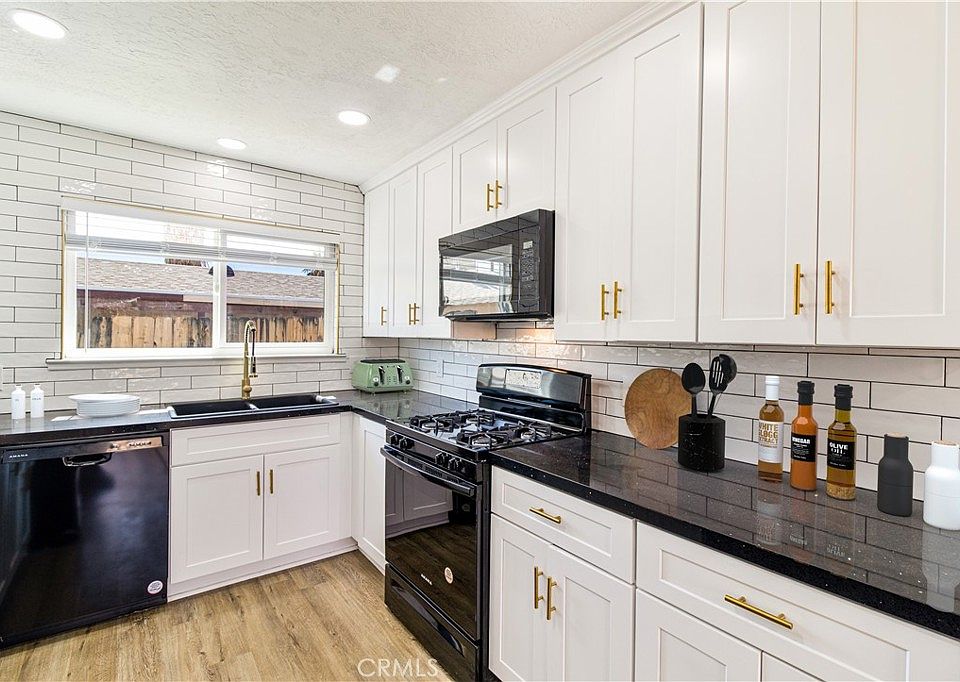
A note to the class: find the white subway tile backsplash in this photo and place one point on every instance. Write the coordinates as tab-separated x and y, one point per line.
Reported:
40	160
908	370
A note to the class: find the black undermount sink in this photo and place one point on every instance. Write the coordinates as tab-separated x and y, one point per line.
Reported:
212	408
280	401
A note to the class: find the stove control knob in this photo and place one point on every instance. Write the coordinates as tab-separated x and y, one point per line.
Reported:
442	459
395	439
406	443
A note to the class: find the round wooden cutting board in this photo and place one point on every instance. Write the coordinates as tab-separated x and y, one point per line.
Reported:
655	401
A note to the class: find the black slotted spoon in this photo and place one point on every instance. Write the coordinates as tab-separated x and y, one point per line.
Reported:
723	370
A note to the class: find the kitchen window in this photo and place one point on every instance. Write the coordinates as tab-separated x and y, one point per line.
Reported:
144	283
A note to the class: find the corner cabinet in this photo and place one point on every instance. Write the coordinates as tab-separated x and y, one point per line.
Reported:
252	497
376	261
628	144
507	166
368	485
434	212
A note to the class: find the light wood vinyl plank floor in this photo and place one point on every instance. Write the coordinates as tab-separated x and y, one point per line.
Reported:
313	622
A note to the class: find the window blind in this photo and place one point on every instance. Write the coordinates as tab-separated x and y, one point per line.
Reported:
107	228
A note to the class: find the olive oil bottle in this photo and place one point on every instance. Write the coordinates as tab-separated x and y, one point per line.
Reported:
770	439
842	448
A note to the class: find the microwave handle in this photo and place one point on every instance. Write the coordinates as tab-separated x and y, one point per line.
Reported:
462	488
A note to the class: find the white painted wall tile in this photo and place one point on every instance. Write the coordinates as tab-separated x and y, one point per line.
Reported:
907	370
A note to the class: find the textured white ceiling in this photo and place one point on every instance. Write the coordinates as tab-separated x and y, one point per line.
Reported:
275	74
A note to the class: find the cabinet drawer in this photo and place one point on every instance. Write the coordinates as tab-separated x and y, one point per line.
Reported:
831	638
602	537
243	439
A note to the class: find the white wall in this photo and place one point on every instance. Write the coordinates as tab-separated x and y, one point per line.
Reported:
39	160
895	390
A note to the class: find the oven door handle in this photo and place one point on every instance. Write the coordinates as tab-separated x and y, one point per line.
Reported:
462	488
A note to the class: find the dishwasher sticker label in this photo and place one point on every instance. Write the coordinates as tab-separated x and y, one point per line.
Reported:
155	587
448	574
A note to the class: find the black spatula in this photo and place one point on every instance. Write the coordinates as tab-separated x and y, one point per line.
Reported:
693	380
723	369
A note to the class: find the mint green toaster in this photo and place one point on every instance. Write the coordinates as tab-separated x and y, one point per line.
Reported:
379	375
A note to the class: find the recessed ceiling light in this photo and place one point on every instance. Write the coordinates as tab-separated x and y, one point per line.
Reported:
387	73
442	79
353	118
230	143
38	24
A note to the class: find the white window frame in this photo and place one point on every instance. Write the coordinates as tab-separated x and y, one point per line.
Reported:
219	349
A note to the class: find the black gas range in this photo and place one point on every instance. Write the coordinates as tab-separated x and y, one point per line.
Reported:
437	506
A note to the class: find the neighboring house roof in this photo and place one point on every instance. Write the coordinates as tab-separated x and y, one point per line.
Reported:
193	280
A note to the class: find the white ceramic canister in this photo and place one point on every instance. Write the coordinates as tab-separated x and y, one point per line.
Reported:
18	403
941	486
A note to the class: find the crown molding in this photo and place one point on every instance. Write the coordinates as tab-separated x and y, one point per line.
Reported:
630	26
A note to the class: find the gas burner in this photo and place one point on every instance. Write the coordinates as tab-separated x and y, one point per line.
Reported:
482	439
477	417
433	423
532	432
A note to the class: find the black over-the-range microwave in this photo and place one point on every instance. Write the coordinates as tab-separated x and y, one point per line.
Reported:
499	271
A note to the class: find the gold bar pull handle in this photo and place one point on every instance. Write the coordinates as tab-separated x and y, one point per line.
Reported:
828	287
539	511
617	290
383	315
490	206
603	302
797	276
258	484
496	194
409	313
537	597
416	320
551	583
271	481
742	603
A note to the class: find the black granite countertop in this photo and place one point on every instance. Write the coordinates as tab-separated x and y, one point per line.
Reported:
897	565
57	426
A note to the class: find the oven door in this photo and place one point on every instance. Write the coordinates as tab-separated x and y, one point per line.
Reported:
432	534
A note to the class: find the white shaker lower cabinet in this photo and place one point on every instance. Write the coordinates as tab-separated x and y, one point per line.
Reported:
589	631
305	503
684	586
252	497
518	632
590	635
368	489
889	196
216	517
673	646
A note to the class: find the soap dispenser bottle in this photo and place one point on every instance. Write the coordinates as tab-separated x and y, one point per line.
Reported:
941	486
18	403
36	402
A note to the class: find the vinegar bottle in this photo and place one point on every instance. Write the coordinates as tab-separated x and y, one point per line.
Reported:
803	441
842	448
770	446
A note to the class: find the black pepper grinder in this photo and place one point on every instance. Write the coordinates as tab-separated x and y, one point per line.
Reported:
895	477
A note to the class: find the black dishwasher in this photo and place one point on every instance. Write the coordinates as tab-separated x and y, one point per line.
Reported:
83	532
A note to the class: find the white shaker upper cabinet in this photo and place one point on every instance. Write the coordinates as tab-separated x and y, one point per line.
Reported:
526	155
587	194
405	246
758	212
474	178
656	240
434	215
890	174
376	261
